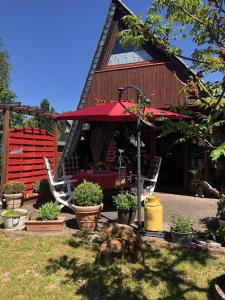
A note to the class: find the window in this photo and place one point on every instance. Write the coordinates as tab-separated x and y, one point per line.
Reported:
127	55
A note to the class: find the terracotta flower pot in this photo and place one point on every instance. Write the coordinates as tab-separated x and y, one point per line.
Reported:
31	197
87	216
13	200
52	225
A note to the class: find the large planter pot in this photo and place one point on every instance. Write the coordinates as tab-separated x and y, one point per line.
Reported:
219	288
181	238
17	222
53	225
13	200
126	217
87	216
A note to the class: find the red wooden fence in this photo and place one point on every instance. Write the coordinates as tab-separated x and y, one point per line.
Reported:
26	148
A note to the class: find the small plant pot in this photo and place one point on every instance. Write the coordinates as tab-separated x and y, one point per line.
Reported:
181	238
30	198
126	217
219	288
15	223
13	200
53	225
87	216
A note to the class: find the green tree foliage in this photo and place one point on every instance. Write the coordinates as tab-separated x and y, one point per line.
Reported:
6	94
42	123
203	23
46	124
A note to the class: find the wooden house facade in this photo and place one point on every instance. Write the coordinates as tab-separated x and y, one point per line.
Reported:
155	73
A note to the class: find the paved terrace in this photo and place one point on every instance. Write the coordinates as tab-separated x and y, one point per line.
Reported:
201	211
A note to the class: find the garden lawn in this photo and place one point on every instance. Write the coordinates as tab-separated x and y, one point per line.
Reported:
62	267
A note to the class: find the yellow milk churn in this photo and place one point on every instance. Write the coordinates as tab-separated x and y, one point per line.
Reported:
153	214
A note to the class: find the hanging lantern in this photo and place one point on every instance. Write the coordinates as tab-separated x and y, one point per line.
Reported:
86	127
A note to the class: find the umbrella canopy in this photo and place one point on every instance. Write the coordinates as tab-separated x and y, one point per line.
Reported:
113	111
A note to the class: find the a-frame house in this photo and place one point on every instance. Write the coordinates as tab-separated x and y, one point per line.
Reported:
155	73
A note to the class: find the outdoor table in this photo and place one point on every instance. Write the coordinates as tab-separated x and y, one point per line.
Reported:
107	180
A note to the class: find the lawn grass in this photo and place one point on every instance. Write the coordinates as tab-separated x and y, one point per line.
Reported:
62	267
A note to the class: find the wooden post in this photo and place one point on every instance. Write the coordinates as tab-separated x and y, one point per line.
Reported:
56	132
4	162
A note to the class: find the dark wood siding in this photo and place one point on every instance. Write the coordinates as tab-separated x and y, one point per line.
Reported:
156	80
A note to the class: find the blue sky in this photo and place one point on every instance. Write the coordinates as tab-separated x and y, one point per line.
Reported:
51	44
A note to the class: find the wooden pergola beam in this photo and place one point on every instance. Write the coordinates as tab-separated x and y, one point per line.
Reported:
9	105
4	149
27	110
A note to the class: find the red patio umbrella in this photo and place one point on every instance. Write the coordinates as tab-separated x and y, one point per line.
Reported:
113	111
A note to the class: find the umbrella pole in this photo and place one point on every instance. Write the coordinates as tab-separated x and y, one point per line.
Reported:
139	98
139	172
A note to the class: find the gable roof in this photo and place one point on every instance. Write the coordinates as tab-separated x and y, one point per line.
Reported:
115	4
173	58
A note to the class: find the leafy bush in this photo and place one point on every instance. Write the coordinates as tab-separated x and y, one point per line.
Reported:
221	209
181	224
41	186
10	213
13	187
48	211
87	194
125	201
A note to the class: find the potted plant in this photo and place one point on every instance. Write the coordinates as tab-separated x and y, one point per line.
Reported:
221	212
87	199
47	218
126	204
33	195
181	230
14	219
13	193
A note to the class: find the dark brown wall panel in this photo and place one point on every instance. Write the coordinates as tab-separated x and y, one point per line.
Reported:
157	81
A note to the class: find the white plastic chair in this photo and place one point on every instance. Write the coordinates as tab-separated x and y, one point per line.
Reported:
151	180
64	198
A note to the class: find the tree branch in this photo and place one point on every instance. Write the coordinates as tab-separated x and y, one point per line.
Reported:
190	15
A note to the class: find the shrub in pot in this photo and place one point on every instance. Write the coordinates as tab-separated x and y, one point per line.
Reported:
46	218
87	199
13	193
14	219
181	230
126	204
